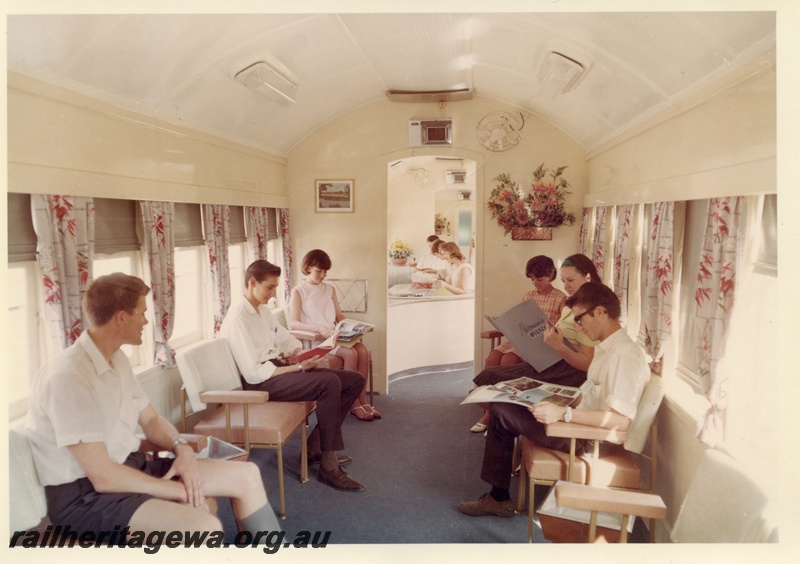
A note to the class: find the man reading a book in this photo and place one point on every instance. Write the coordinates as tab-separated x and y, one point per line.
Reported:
260	347
618	373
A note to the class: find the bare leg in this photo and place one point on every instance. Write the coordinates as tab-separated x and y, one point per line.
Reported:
241	481
351	357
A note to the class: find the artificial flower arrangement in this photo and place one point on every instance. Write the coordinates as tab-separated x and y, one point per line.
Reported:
441	224
399	250
542	206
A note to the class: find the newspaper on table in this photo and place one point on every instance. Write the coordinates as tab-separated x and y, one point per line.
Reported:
526	392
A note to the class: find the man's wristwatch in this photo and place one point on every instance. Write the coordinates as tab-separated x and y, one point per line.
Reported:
179	441
568	415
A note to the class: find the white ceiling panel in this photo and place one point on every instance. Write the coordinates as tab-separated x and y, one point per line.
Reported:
180	67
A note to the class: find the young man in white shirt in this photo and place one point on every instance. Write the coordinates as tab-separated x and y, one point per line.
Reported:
619	372
260	347
84	408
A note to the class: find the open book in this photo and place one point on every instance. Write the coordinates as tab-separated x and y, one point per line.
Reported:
321	350
526	392
524	325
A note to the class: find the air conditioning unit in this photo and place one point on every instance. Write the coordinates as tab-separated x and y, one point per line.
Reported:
430	132
455	176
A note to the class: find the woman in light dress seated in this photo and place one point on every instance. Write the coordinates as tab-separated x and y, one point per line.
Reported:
460	278
314	307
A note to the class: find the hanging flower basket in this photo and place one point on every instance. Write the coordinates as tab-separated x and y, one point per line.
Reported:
531	215
531	233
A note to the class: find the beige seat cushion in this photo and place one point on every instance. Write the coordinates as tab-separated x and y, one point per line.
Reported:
551	465
271	423
615	468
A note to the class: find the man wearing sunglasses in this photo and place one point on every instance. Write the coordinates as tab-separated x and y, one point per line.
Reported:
619	372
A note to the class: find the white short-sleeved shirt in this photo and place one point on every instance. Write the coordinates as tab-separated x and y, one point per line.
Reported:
77	397
618	373
255	338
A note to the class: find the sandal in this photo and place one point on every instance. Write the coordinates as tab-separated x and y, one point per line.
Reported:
374	412
361	413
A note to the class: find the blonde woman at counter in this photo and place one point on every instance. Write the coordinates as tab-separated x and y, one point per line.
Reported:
460	278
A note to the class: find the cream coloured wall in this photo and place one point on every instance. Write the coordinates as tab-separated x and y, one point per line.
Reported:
62	142
722	142
361	144
412	207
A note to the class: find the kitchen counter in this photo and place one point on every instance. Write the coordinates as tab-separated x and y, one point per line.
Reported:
425	330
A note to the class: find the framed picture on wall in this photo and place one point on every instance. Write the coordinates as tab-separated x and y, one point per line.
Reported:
333	196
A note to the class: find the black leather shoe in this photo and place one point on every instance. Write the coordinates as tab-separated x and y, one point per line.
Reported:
339	480
316	458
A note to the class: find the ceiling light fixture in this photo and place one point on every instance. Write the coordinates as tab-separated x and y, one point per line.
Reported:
272	79
440	96
561	70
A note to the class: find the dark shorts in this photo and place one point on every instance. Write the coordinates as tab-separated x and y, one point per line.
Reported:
78	505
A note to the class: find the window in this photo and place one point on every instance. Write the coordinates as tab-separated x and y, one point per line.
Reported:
693	235
694	231
238	262
190	305
23	333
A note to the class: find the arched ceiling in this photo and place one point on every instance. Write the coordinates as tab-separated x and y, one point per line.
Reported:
180	68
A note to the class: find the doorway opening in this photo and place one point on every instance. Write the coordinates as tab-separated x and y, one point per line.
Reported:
428	329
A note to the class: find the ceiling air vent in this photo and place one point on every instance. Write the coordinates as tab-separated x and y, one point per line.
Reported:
456	176
430	132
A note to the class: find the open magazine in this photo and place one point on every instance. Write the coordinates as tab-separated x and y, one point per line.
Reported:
524	325
346	334
526	392
351	331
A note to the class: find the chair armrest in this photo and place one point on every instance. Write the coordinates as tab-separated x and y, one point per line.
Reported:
492	334
234	396
197	442
306	335
578	431
592	498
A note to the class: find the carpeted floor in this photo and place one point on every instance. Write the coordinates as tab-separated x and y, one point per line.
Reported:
416	464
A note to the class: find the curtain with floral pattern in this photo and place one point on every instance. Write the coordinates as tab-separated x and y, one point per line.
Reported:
714	300
158	245
258	231
216	226
657	293
585	238
286	250
599	240
64	227
622	256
